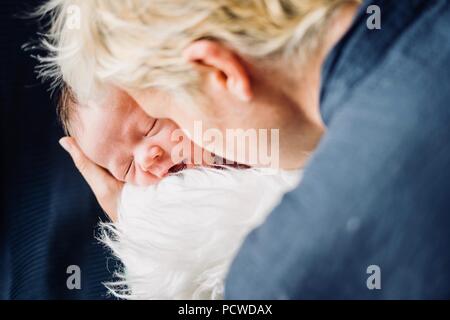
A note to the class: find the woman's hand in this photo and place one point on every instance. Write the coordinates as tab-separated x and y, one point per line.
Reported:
106	188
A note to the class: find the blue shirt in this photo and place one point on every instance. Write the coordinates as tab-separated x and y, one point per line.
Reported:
376	192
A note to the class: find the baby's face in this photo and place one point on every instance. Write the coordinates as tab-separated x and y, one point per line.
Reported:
123	139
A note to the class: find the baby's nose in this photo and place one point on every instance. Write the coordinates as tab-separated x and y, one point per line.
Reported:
149	159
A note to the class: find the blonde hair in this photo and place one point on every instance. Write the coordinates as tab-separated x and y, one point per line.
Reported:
139	43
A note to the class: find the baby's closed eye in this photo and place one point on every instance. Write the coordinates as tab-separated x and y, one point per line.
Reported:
153	124
130	165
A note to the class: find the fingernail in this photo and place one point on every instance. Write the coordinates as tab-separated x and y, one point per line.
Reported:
66	146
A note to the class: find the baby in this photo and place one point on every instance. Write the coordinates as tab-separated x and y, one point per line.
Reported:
177	236
120	137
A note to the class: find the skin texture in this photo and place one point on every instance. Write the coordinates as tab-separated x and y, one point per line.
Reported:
134	147
240	93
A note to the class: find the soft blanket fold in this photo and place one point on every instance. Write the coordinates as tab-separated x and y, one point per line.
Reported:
176	239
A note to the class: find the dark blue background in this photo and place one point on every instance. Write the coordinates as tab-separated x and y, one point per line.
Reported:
48	215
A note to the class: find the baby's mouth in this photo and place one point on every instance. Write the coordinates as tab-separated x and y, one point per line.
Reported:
177	167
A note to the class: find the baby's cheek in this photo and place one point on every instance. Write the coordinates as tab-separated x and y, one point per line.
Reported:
168	133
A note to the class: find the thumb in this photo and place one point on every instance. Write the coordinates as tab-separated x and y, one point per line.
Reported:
105	187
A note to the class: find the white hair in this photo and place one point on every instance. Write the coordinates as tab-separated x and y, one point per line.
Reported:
138	43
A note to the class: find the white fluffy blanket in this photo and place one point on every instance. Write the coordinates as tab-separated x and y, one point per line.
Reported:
177	239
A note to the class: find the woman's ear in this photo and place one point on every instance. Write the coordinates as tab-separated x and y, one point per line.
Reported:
229	71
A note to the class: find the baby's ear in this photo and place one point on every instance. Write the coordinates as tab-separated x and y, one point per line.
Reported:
228	71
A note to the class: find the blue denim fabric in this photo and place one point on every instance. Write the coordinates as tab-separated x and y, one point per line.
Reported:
377	190
48	215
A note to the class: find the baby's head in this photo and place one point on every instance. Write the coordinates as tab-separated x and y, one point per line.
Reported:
120	137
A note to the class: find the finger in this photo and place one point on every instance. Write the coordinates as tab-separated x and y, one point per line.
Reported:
95	176
105	187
